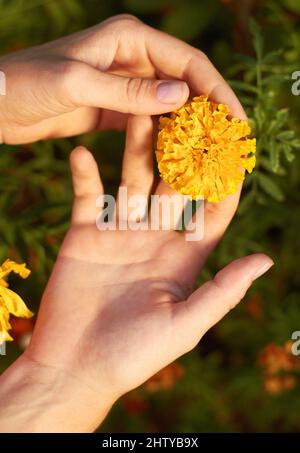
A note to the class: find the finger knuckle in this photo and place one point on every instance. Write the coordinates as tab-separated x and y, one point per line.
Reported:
67	69
136	184
136	89
71	75
67	72
202	56
125	19
127	16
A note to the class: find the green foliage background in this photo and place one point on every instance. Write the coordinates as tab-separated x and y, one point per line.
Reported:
223	387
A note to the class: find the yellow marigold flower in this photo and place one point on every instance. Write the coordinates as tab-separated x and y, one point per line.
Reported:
10	302
201	152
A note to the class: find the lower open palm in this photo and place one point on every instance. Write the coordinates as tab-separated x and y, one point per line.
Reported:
120	305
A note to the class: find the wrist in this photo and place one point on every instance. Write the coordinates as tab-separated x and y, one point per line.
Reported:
38	398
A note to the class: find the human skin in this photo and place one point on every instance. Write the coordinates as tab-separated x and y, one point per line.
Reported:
119	305
94	78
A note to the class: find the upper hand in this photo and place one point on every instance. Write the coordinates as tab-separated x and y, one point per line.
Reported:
82	82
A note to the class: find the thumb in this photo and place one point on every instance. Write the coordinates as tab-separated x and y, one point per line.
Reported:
213	300
87	86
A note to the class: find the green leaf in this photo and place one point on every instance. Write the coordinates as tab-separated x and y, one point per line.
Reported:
244	86
279	121
282	115
274	156
286	135
272	56
295	143
270	187
246	202
258	42
249	61
272	79
259	117
266	164
287	149
247	101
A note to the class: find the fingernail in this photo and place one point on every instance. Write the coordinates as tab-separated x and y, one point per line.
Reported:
261	270
170	92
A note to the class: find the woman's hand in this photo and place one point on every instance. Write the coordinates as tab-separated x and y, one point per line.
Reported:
80	82
119	305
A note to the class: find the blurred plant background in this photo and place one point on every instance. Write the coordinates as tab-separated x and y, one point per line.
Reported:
243	376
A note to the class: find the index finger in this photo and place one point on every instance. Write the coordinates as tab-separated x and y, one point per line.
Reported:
175	58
